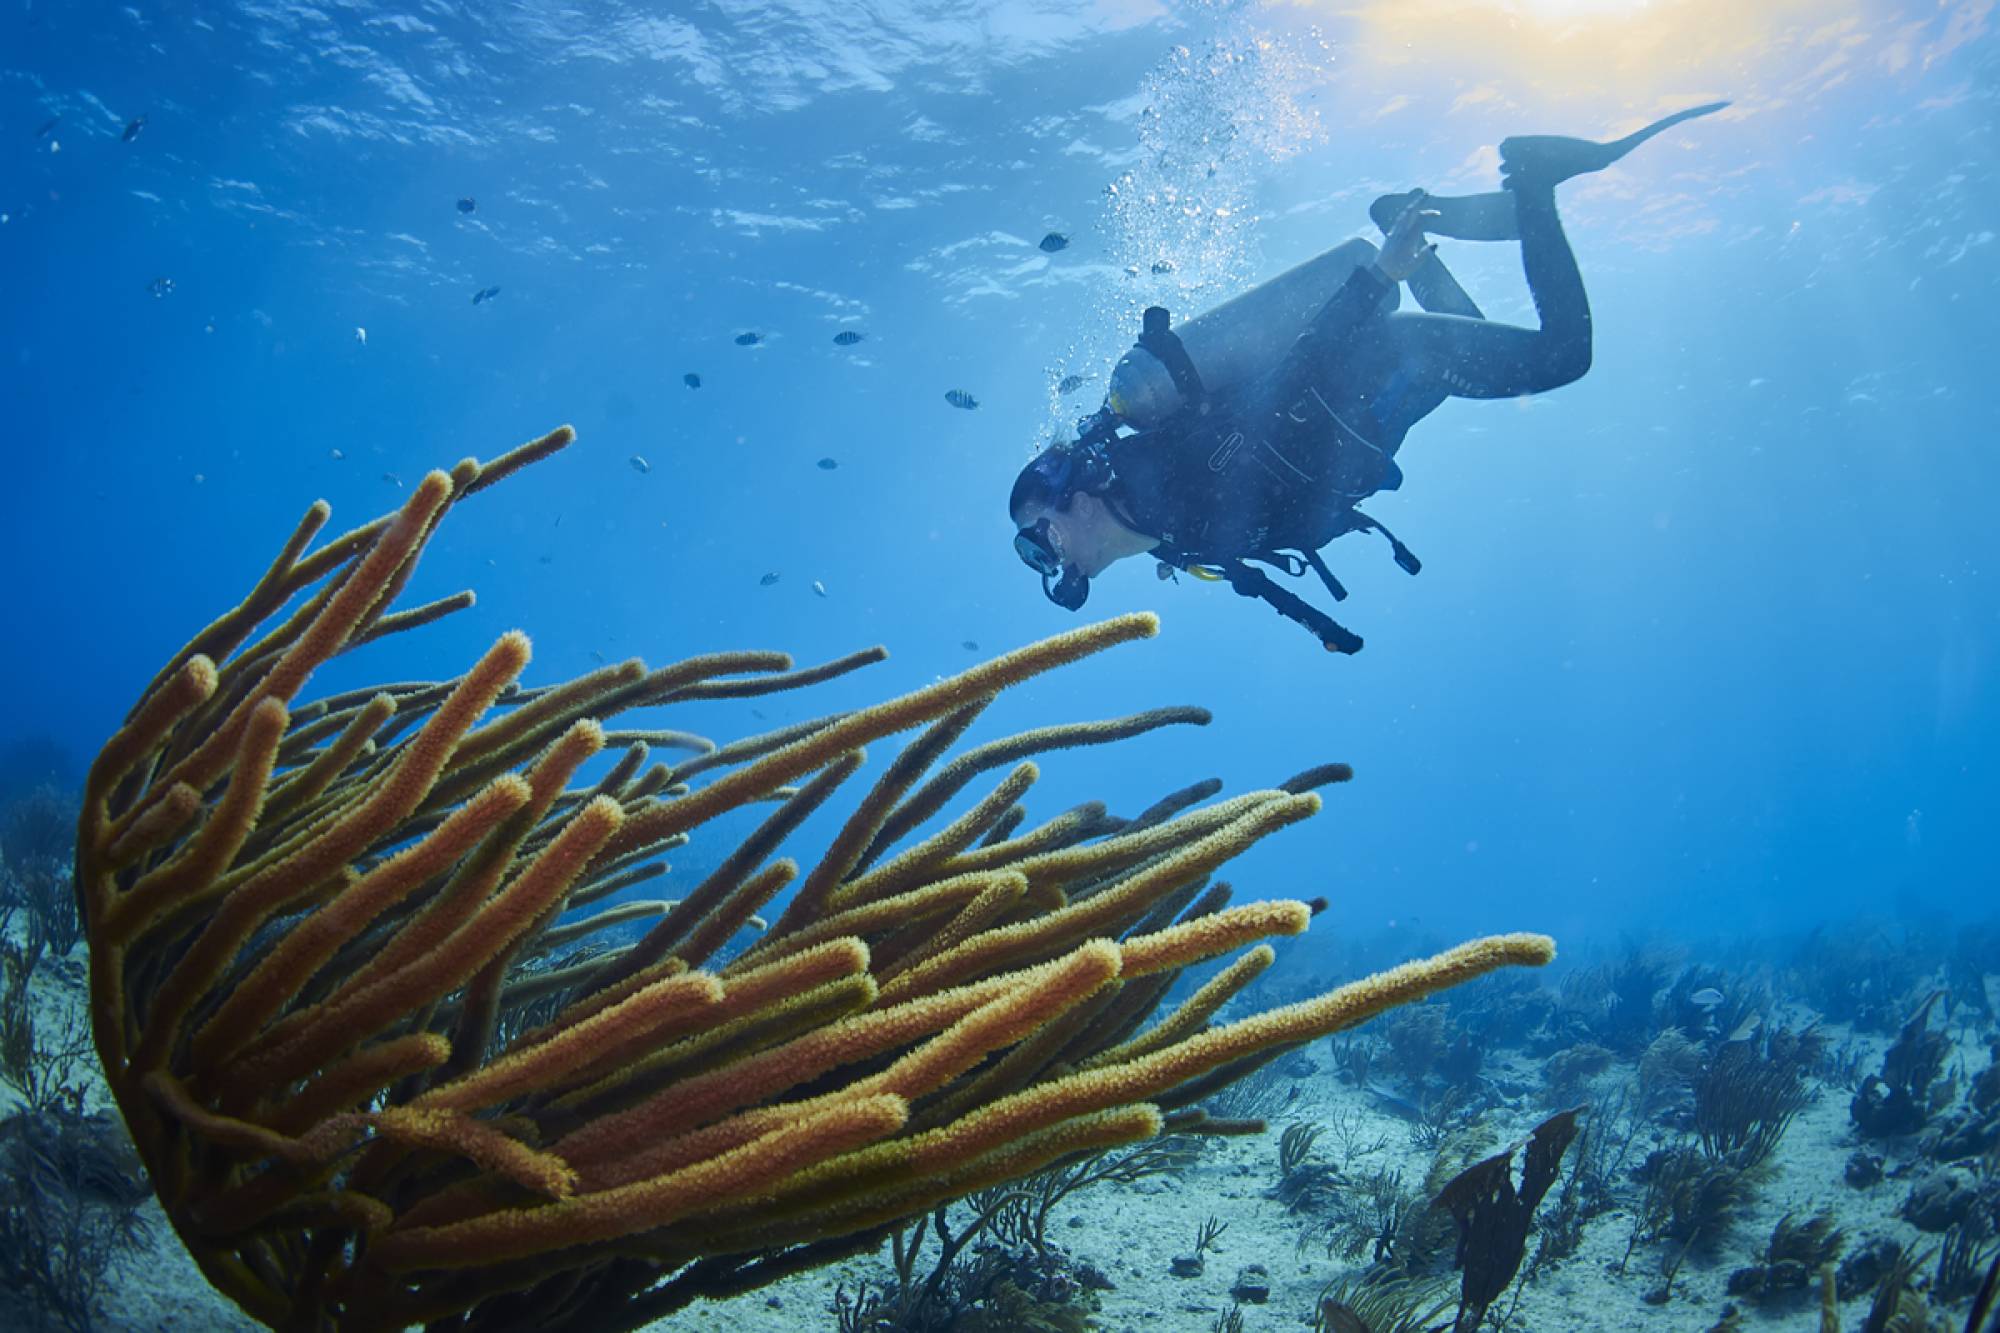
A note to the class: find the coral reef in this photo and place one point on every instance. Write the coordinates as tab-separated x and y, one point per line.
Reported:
1303	1184
997	1271
305	921
1380	1304
1795	1254
1912	1086
1747	1096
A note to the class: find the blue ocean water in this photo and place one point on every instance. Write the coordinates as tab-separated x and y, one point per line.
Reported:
1706	639
1704	644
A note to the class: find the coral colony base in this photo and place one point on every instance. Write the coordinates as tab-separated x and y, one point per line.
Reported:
379	1074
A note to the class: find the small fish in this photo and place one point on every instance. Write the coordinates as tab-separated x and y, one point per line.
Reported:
132	128
1707	997
545	560
1071	383
467	204
692	380
392	479
597	656
828	464
1394	1102
360	335
749	339
485	294
959	398
768	579
1053	242
819	588
336	454
1163	571
161	287
639	465
847	338
970	645
49	128
1745	1030
1163	266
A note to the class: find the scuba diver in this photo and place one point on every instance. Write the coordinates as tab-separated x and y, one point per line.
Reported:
1237	438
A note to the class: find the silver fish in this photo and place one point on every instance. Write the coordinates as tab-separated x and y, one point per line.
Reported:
639	465
1707	997
1394	1102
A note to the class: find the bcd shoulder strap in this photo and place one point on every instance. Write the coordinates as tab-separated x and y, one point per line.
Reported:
1157	336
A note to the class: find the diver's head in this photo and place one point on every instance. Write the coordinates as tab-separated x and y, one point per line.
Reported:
1066	528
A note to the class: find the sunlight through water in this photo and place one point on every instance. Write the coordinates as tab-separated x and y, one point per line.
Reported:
1635	53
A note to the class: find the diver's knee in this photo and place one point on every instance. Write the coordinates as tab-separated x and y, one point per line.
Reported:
1358	251
1569	361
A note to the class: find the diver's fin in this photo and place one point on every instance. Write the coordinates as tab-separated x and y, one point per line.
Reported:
1463	217
1550	159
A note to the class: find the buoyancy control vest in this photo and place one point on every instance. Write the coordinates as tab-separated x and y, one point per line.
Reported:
1268	470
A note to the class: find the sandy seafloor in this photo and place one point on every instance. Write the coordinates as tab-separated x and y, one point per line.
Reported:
1132	1232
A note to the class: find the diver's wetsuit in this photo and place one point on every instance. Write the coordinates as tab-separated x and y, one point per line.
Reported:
1280	463
1423	359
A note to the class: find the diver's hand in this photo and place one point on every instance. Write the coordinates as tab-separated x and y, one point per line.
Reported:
1406	246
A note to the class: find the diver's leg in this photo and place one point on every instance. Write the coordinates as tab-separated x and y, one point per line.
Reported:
1439	292
1549	159
1479	358
1431	282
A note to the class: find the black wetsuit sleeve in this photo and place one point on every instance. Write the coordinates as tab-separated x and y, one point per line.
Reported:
1333	329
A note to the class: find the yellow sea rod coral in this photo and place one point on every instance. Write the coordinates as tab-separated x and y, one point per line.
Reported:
310	923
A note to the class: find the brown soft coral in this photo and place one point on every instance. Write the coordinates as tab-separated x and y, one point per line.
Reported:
305	920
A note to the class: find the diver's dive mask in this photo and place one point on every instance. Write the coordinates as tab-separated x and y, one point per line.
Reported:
1062	584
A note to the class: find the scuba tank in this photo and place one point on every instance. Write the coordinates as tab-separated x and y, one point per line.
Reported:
1235	342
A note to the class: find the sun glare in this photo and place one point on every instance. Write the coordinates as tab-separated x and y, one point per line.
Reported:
1636	54
1565	9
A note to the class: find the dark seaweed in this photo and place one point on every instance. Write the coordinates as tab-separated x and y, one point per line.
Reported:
70	1193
